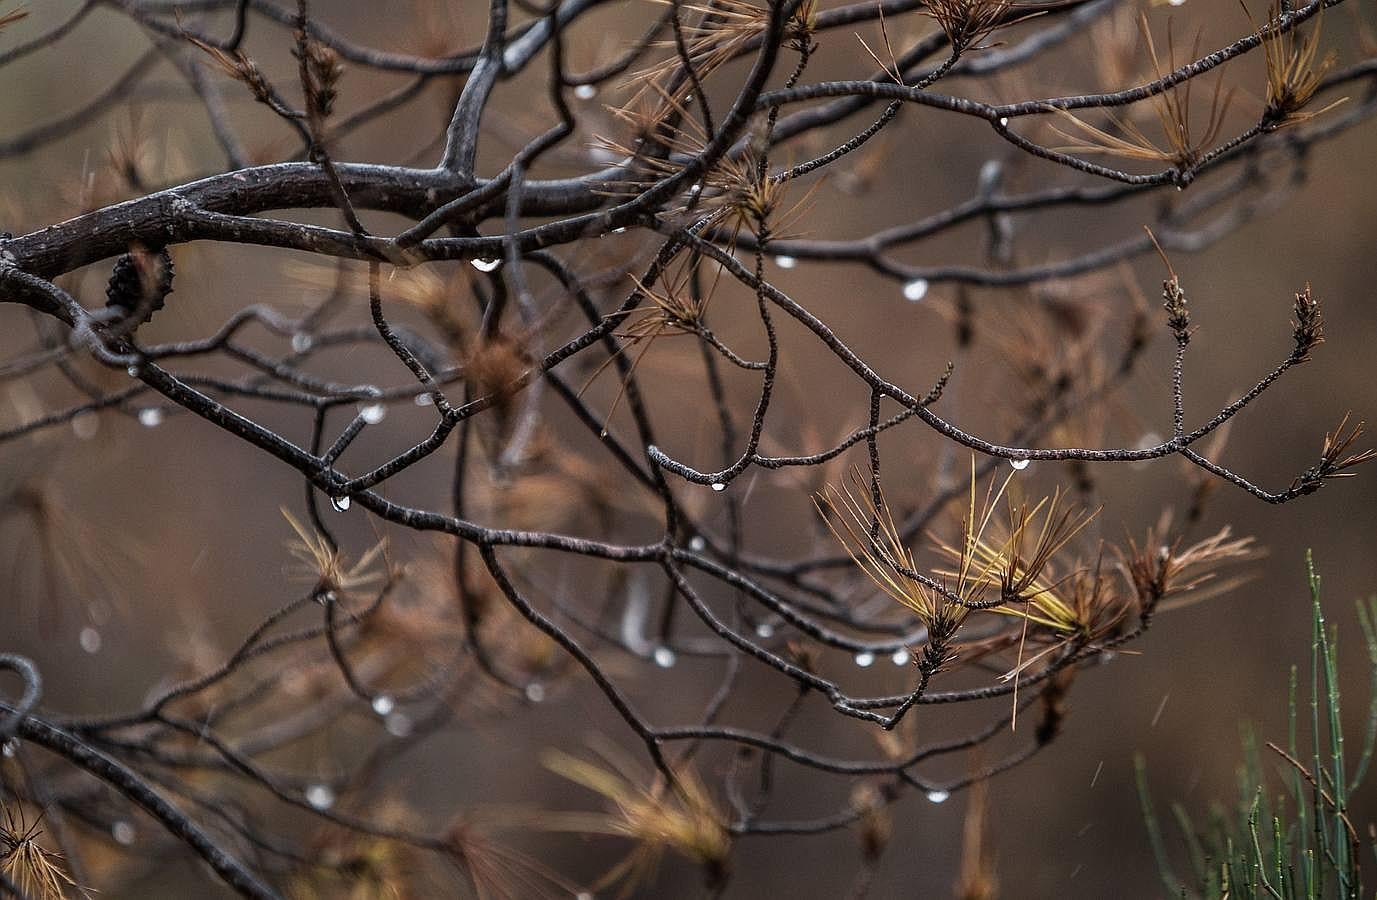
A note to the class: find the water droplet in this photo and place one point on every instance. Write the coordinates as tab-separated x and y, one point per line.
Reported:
398	724
9	748
486	265
85	424
383	704
150	417
90	640
1003	121
1149	440
621	230
865	659
122	832
899	657
937	796
915	290
1177	2
320	796
301	342
373	413
1018	465
786	262
585	92
765	630
718	486
341	504
535	692
424	400
990	173
664	657
697	544
134	371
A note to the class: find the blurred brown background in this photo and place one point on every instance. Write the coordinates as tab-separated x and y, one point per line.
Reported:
204	552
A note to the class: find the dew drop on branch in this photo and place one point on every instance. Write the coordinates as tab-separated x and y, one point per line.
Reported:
765	630
938	796
85	424
664	657
786	262
301	342
320	796
373	413
122	832
150	417
535	692
1019	465
697	544
383	704
486	265
341	504
990	174
90	640
1149	440
899	657
585	92
718	486
915	290
865	659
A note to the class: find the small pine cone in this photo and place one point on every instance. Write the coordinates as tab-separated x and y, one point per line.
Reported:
140	282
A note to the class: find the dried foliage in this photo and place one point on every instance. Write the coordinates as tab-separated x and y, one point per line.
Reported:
487	545
968	23
656	814
1182	144
1295	70
32	868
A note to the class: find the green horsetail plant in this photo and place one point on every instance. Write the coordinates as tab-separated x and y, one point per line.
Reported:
1302	845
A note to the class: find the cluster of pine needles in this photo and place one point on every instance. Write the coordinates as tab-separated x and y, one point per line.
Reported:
1025	564
35	870
1295	71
